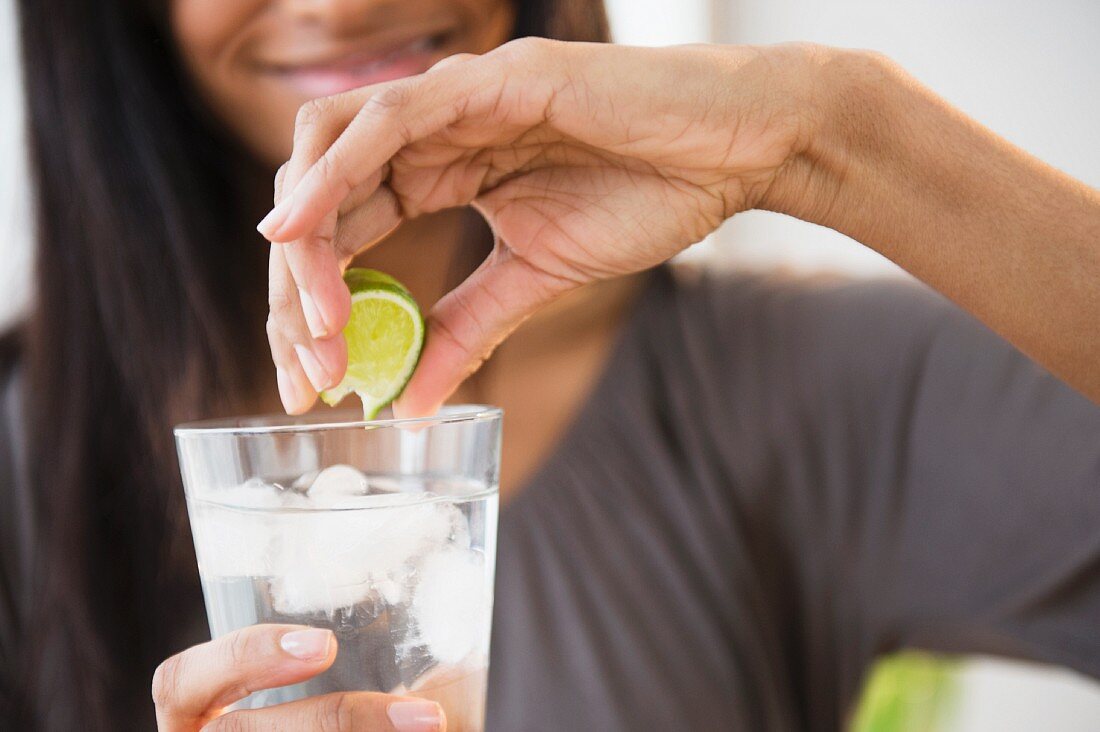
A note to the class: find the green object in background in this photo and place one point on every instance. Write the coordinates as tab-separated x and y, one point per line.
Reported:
908	692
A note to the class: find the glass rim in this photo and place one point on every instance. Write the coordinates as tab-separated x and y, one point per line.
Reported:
282	424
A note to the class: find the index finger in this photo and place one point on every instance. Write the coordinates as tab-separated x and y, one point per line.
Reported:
393	115
194	685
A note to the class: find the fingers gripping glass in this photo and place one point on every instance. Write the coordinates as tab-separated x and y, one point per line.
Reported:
382	530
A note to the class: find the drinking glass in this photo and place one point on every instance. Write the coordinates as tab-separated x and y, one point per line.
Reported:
383	531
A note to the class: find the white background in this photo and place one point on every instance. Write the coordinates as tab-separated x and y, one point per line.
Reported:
1029	70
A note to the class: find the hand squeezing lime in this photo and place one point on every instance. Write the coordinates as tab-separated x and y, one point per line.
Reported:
384	337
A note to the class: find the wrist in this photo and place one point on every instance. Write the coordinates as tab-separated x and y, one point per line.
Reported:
846	133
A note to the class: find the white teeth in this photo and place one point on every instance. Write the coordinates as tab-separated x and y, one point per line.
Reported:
418	46
423	44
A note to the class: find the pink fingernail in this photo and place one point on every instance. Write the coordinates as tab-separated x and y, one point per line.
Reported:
415	716
287	392
316	323
294	394
270	225
315	372
311	644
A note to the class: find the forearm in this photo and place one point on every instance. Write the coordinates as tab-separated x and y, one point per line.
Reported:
1009	238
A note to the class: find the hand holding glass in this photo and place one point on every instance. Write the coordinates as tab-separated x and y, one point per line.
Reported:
383	531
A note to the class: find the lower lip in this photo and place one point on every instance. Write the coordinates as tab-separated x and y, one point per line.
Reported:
322	81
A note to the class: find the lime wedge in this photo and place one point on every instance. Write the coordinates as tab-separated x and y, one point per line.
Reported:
384	336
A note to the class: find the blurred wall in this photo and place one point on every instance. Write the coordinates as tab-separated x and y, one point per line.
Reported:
660	22
1029	70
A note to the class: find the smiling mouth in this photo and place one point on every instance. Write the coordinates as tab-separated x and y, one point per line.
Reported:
354	70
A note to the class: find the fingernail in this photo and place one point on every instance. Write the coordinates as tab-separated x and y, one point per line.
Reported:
402	410
288	391
404	407
316	323
311	644
270	225
415	716
315	372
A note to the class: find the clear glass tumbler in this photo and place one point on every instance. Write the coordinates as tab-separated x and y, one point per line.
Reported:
383	531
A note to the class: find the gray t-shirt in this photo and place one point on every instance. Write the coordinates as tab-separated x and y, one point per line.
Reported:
772	483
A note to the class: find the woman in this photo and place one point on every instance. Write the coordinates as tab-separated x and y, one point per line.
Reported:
723	498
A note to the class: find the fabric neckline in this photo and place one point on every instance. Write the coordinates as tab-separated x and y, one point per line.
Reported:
602	391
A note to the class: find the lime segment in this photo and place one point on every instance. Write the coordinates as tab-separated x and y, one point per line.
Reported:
384	335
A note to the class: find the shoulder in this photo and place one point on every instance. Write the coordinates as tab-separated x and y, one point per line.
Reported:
808	337
791	315
892	348
863	327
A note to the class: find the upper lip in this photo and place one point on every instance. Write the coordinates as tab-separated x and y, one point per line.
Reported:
360	52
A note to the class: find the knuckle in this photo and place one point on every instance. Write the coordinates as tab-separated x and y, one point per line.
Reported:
341	174
311	115
475	317
444	331
273	329
280	178
388	100
328	170
281	304
525	49
243	647
336	713
232	722
453	59
385	108
166	680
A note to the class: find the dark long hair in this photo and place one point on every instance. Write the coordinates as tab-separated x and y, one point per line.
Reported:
148	311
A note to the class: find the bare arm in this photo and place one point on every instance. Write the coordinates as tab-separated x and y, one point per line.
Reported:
1007	237
591	161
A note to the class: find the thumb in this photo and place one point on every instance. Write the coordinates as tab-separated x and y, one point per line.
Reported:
468	323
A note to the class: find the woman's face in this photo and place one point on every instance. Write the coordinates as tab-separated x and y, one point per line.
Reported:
257	61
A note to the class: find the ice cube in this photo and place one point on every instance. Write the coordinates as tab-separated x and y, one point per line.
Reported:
451	603
337	481
335	557
389	484
253	493
295	499
326	589
304	481
233	530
